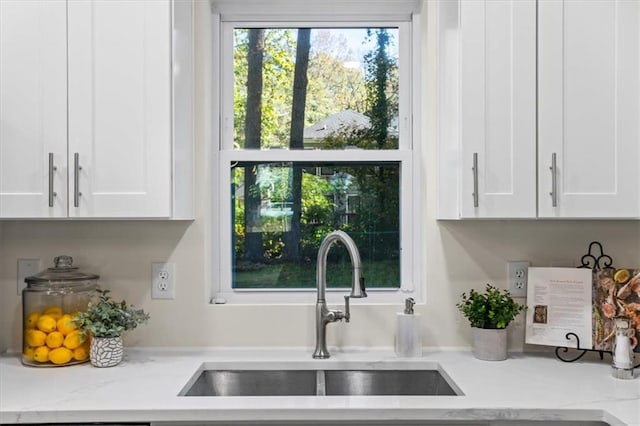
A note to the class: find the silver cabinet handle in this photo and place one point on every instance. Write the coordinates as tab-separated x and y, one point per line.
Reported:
475	179
554	182
52	168
76	180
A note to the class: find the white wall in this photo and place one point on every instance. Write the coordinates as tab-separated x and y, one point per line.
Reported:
459	255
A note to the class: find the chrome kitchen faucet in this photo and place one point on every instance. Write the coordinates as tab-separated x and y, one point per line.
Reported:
323	314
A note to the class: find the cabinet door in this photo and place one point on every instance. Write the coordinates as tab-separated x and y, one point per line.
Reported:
497	108
33	109
589	115
120	108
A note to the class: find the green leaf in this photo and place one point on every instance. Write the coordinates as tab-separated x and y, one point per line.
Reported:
107	318
491	309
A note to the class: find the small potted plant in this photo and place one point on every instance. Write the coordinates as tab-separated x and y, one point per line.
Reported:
489	314
104	321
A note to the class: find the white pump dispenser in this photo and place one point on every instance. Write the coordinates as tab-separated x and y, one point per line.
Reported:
408	332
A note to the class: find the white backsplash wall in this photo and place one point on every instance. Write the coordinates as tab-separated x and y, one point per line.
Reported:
459	256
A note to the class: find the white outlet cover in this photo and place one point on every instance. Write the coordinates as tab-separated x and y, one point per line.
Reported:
163	279
517	277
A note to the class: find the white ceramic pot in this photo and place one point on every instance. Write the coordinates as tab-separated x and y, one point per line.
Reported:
106	351
489	344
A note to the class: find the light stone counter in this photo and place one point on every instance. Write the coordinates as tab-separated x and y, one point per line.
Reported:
145	387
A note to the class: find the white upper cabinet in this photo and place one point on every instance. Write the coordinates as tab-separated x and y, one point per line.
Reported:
516	98
120	108
588	108
114	110
487	114
497	108
33	108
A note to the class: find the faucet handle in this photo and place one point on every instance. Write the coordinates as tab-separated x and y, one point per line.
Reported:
347	314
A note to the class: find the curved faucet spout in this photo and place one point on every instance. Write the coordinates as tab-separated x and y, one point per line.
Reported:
357	284
323	314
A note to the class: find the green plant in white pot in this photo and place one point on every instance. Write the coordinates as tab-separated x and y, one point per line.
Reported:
489	314
104	321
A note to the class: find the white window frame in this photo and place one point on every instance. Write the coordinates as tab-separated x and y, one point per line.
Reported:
403	14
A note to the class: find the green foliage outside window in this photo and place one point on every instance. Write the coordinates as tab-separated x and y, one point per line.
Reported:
312	204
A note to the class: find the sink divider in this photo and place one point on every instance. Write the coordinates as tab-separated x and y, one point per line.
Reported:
321	389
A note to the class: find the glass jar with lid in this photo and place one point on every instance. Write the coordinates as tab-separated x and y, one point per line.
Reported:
49	302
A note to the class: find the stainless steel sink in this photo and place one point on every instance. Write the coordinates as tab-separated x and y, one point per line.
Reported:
321	382
254	383
386	382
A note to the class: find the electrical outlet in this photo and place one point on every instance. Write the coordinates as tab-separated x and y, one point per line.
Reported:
26	268
163	278
517	275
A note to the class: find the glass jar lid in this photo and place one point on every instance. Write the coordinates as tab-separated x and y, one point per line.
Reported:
62	271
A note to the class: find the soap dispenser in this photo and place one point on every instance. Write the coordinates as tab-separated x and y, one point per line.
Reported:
408	332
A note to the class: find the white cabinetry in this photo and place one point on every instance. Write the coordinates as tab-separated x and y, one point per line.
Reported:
491	46
33	108
113	111
120	108
588	108
513	95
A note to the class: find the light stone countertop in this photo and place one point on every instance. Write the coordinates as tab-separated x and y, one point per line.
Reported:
145	387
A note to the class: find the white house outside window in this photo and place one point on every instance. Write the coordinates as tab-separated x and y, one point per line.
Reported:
316	134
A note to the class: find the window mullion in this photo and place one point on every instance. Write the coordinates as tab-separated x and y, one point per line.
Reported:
349	155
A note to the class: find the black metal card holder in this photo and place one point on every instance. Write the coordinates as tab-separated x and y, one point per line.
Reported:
596	262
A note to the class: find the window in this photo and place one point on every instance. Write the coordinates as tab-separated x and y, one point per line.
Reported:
316	134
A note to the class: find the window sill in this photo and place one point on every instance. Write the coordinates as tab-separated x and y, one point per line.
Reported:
375	296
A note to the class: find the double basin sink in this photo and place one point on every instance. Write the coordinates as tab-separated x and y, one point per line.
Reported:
319	382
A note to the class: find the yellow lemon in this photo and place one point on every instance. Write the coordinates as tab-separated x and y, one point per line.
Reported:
65	325
54	339
81	353
53	311
32	319
622	276
41	354
35	338
73	339
60	356
28	352
46	323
